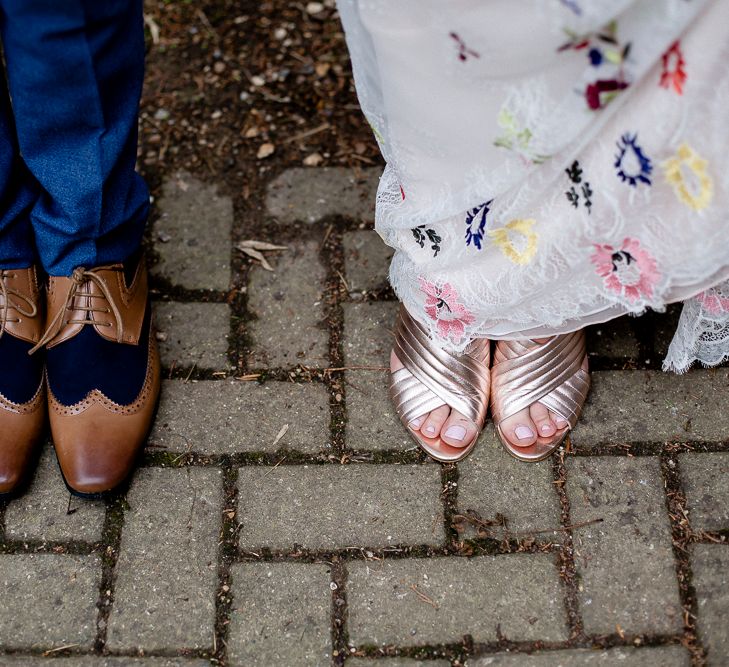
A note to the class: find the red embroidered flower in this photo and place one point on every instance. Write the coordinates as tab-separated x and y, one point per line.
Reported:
673	74
442	306
402	193
600	93
628	270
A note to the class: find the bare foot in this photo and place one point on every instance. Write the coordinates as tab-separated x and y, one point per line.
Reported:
451	426
535	422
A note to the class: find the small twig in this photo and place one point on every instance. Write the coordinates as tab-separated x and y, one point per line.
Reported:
307	133
189	375
59	648
354	368
423	596
274	468
250	376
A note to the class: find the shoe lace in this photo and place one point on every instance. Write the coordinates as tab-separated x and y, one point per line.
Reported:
80	277
27	309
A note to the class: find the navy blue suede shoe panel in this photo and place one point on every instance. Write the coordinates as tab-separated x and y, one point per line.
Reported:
21	373
87	362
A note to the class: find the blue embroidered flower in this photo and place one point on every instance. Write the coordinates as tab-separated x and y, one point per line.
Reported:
631	163
595	56
476	224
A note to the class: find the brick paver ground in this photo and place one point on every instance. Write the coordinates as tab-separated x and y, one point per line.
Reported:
282	516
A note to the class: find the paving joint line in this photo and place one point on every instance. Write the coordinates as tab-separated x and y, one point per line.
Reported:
681	534
111	536
567	568
227	552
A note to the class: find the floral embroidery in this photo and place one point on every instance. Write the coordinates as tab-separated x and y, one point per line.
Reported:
442	306
604	50
402	193
571	4
464	53
674	72
714	303
628	270
631	162
574	173
523	229
476	217
516	139
421	232
703	183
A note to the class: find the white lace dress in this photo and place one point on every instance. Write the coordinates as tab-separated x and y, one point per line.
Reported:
551	163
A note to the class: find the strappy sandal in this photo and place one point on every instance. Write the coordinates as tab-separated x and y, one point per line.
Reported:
551	373
433	377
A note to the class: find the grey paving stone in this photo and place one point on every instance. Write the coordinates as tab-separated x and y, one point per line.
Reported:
655	656
613	340
229	416
396	662
366	260
626	562
48	600
192	234
368	333
706	483
308	195
193	333
520	593
372	423
493	483
167	567
710	564
638	406
46	511
287	302
281	615
333	506
101	661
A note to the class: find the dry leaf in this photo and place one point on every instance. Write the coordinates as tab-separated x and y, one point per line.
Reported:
259	256
265	150
313	160
281	434
260	245
153	28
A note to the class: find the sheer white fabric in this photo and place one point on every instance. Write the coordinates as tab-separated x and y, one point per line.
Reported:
551	163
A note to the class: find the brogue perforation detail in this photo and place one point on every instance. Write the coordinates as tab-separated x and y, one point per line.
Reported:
96	397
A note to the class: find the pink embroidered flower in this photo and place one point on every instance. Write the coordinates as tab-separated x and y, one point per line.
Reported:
442	306
674	72
628	270
714	303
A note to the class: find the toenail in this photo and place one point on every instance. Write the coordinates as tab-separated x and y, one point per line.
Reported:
456	432
430	429
546	428
416	422
561	423
523	432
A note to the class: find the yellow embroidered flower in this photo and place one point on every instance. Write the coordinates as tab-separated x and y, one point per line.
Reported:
528	245
703	190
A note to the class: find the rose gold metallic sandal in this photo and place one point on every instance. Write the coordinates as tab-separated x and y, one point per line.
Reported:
433	377
526	372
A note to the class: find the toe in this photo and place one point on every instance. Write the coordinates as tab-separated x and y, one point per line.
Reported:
519	429
542	420
432	425
396	365
458	430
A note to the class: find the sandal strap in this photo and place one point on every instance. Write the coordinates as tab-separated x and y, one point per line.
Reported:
436	377
551	373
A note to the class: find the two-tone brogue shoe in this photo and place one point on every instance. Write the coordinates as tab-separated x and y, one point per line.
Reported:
103	373
22	392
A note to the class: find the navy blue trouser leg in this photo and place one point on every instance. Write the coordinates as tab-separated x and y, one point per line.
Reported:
75	70
17	194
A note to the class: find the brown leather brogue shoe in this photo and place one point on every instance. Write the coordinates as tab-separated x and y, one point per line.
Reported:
103	373
22	393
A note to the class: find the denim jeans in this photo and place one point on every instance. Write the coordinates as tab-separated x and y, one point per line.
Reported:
69	195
